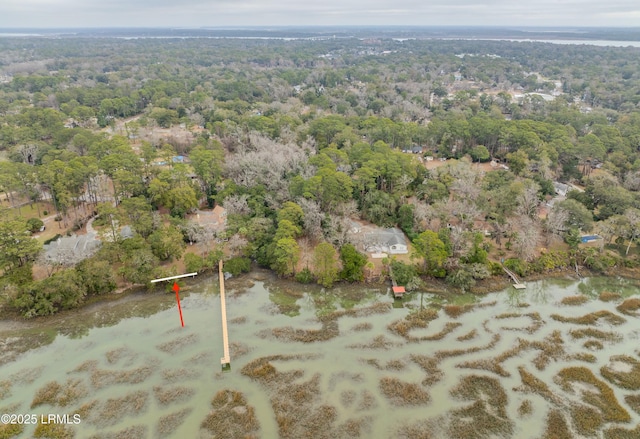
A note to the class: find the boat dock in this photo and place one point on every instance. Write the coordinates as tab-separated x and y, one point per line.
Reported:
516	282
398	291
226	359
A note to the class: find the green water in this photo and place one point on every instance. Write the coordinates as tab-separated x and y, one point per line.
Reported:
136	348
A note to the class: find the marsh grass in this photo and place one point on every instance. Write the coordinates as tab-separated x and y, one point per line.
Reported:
367	311
604	399
591	318
8	431
557	427
176	345
430	365
586	419
595	333
181	374
574	300
86	366
531	383
168	424
551	348
416	319
238	320
237	349
534	316
367	401
5	389
634	402
449	327
86	410
440	355
348	397
629	380
26	376
400	393
356	427
61	395
608	296
622	433
380	342
418	430
583	356
135	432
53	431
115	409
486	416
630	307
495	364
455	311
593	345
166	396
468	336
103	378
361	327
328	331
116	355
296	404
526	408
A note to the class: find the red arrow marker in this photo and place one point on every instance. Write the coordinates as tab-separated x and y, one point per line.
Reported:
176	288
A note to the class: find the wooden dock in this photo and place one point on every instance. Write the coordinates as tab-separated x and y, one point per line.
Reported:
398	291
516	283
226	359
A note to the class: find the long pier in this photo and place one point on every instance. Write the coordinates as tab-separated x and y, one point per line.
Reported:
516	283
226	359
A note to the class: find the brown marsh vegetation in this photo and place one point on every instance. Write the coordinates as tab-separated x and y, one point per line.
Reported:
54	431
623	371
401	393
591	318
602	397
60	395
608	296
574	300
630	307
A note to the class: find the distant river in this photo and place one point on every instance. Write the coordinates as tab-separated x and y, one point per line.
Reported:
601	43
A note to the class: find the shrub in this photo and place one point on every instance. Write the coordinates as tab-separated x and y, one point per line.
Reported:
305	276
34	224
193	262
518	266
236	266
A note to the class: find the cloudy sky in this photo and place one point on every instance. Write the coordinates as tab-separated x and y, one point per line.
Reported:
197	13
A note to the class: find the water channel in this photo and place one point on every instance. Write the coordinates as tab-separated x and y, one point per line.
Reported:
348	362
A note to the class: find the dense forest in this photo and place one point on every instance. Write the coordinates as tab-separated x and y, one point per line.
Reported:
482	152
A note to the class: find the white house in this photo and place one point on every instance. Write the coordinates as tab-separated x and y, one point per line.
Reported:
390	241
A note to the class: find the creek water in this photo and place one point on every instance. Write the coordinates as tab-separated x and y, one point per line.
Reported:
135	372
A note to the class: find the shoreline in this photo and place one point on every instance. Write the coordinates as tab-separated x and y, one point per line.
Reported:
12	320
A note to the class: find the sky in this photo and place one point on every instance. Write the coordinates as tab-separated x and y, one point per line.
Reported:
199	13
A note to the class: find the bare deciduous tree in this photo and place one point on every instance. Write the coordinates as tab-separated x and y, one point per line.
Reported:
237	205
527	238
528	200
313	217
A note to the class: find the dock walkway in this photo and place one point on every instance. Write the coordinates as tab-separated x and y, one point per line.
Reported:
225	360
516	283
